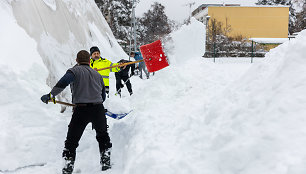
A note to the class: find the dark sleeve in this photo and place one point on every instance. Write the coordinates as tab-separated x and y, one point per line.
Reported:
103	94
63	83
103	89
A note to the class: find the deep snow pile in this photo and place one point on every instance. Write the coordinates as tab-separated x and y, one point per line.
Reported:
24	124
61	29
194	116
258	123
199	117
39	41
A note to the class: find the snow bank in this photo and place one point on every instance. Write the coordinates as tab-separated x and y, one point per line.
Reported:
17	55
38	43
22	81
194	116
62	28
165	132
182	46
51	4
200	117
260	120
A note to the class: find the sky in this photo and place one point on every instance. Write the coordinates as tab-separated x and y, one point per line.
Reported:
179	10
194	116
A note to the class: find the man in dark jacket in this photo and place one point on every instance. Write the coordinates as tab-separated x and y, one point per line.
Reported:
88	94
123	75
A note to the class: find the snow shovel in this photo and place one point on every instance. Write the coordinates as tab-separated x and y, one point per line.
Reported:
153	56
107	112
64	103
120	65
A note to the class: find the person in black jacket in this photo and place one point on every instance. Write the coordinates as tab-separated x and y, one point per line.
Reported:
123	75
88	94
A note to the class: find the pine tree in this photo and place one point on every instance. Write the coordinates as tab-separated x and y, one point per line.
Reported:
300	23
274	2
264	2
154	24
118	15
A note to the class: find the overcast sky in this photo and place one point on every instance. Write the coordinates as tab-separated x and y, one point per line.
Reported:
178	10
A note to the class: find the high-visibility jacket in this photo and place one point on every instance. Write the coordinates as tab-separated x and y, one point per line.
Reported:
103	63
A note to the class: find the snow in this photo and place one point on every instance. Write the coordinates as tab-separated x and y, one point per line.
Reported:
195	116
298	5
10	31
179	40
51	4
269	40
22	77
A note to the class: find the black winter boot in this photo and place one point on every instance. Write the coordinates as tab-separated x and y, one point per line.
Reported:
69	159
105	159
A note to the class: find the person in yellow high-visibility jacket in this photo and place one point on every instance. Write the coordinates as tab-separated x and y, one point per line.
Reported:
97	62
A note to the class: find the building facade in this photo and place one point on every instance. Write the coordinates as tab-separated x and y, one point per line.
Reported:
246	21
255	22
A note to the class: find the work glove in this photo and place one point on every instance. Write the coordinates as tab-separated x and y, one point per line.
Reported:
48	97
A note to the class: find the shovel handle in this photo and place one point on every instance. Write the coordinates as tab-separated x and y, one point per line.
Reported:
120	65
64	103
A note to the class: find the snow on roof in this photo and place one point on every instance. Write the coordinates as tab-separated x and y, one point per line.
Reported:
259	6
240	5
269	40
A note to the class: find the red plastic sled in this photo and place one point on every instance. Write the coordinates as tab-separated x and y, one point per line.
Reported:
154	56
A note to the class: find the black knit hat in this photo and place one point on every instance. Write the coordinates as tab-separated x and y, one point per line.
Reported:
94	49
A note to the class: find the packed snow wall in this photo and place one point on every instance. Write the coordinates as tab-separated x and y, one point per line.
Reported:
63	27
38	42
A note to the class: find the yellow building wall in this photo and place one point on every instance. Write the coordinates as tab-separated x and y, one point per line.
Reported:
256	22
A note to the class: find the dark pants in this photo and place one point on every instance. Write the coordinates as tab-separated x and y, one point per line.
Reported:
81	116
126	80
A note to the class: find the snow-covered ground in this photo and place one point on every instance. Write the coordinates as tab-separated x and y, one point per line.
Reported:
195	116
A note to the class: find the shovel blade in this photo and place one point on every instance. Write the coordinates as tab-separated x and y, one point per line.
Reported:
154	56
